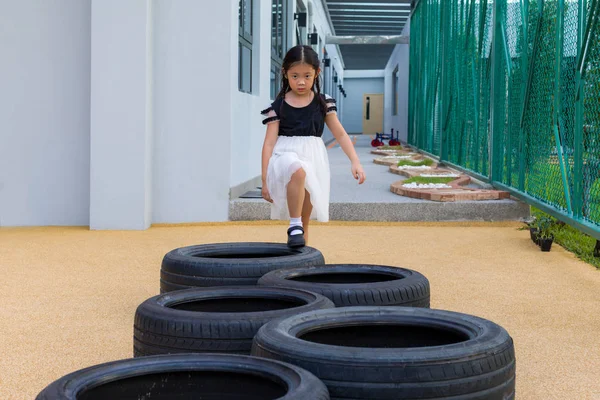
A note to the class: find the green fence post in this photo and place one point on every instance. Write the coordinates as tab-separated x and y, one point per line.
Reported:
423	103
481	118
430	76
506	147
442	82
578	139
422	85
524	74
557	103
496	119
445	96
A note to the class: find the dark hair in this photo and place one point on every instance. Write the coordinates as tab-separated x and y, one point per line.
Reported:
306	55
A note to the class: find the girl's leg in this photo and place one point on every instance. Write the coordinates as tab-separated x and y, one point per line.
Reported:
295	200
295	193
306	211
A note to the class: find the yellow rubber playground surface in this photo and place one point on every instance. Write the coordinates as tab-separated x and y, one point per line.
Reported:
69	294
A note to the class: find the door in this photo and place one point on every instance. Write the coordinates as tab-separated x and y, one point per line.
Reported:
372	113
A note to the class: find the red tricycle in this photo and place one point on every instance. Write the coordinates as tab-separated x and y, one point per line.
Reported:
380	137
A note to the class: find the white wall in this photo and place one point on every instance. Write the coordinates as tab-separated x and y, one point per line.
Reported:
121	115
353	106
44	112
400	58
192	110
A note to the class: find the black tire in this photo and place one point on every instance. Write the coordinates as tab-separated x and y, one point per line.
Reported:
227	264
206	376
386	353
356	284
214	320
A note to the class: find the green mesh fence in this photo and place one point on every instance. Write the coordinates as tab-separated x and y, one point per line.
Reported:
510	91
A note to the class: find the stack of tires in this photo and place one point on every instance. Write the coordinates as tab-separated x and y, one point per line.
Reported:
262	321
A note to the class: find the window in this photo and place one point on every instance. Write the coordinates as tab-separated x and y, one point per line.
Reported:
245	46
278	42
395	91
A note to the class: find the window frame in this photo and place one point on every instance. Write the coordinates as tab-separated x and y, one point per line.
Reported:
245	41
279	40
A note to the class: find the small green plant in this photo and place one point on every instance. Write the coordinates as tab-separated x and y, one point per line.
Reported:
387	147
544	224
424	179
426	161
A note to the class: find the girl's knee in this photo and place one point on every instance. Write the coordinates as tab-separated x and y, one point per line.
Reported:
299	175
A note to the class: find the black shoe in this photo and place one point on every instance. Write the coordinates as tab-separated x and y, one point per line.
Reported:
295	240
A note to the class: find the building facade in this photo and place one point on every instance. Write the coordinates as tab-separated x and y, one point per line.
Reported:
120	114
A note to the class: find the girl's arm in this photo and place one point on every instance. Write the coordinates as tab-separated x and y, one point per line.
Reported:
335	126
267	151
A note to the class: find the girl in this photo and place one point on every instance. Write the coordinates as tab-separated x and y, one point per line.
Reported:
295	166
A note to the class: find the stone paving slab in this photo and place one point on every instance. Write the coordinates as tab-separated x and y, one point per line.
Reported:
382	152
457	192
393	160
453	194
412	172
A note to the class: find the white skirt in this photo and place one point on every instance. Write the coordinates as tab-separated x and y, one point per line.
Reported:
289	155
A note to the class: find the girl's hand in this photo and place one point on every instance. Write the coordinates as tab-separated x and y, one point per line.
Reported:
265	194
358	172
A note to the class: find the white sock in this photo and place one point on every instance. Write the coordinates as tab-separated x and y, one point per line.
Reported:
296	222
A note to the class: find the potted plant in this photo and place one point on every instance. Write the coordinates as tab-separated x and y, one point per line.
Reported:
534	233
544	234
533	229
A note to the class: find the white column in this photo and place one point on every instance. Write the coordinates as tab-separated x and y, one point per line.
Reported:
193	89
121	114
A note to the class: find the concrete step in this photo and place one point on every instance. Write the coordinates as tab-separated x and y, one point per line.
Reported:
374	201
494	210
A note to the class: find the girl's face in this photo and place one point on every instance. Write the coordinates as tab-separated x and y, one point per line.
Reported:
302	78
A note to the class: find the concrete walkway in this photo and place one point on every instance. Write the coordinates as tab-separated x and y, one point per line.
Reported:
373	201
69	294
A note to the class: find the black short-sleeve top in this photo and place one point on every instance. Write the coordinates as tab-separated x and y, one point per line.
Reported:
299	121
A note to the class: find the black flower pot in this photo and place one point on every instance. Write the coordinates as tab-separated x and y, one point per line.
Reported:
533	232
546	244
